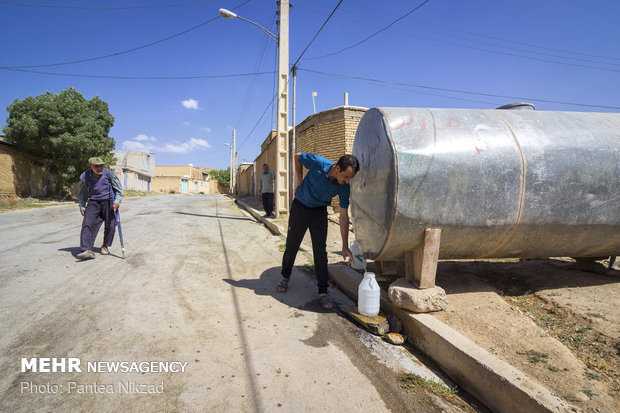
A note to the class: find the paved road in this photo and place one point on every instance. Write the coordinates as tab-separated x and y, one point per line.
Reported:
197	287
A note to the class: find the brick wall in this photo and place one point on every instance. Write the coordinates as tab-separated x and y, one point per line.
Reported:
245	180
21	174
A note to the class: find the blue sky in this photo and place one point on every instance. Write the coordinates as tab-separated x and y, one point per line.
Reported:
559	55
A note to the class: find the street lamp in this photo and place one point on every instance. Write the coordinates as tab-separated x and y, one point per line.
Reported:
283	161
227	14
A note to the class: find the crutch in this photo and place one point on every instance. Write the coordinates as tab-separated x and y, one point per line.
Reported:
120	231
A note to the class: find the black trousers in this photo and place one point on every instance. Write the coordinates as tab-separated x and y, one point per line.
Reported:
302	218
268	202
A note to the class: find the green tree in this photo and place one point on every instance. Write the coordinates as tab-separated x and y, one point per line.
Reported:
222	176
64	128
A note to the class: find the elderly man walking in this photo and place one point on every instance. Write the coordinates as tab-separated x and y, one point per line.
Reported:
100	195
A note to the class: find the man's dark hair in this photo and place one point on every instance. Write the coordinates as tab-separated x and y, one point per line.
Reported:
348	160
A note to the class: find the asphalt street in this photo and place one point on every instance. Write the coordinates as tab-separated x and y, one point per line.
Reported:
188	321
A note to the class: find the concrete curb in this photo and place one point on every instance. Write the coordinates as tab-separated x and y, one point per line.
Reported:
500	386
275	230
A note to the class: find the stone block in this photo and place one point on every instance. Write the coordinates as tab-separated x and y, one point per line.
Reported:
404	295
377	325
394	338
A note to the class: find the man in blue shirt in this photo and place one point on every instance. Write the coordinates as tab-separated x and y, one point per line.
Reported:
314	193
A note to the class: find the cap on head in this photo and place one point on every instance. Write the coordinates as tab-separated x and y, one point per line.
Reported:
95	160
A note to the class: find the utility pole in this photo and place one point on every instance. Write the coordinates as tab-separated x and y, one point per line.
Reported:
234	162
282	139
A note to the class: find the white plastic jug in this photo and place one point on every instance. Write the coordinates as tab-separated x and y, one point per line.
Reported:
368	295
359	263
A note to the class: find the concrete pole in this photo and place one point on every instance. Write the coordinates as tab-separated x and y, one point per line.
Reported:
234	162
282	155
292	146
230	183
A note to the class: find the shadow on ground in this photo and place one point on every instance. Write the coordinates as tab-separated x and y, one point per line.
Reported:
516	278
302	292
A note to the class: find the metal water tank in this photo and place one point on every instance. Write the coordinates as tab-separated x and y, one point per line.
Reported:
498	183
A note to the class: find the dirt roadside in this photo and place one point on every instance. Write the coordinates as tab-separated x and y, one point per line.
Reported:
555	320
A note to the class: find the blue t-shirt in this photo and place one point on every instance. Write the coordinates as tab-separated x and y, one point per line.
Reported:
317	189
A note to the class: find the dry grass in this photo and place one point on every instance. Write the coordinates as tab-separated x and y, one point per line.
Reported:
13	204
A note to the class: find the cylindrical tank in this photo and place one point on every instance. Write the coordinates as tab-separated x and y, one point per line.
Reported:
498	183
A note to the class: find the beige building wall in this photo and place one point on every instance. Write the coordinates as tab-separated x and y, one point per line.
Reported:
21	174
183	179
245	179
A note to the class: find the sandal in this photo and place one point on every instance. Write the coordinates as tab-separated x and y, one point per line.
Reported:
326	301
283	285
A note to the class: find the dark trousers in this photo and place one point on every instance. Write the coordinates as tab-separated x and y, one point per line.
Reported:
268	202
302	218
97	212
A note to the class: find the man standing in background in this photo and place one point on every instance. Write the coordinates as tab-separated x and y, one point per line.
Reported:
265	189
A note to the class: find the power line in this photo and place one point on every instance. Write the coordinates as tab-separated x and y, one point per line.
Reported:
382	11
125	51
374	34
260	61
51	6
317	33
493	45
137	77
258	121
458	91
524	44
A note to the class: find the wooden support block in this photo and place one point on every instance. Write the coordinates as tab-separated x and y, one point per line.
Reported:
386	267
421	263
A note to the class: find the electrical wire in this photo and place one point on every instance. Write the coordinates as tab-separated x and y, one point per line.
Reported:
138	77
15	3
260	59
374	12
125	51
317	33
520	49
374	34
258	121
366	79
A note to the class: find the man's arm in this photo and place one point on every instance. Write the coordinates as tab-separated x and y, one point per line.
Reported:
299	170
344	233
117	188
83	196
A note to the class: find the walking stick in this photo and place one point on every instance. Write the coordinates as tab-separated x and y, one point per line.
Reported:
120	231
